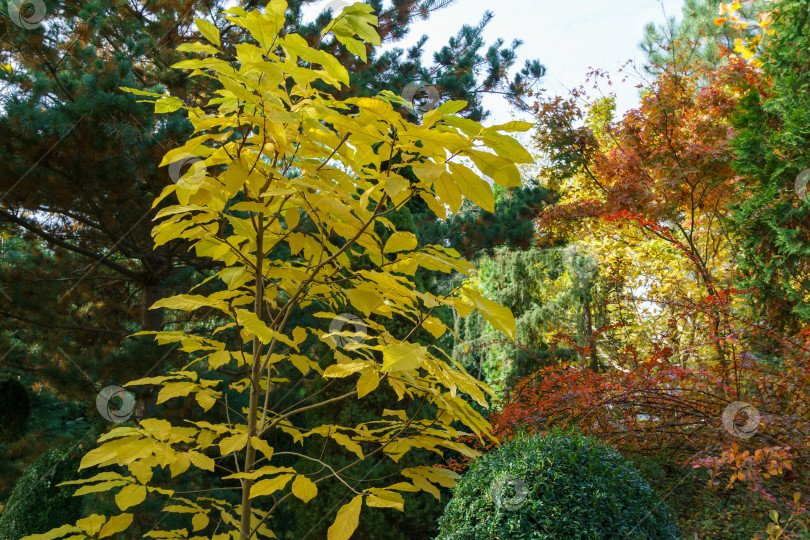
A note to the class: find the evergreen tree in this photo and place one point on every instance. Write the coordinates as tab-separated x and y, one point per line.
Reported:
772	158
695	37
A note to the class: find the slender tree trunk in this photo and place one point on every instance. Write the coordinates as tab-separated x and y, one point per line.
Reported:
151	321
255	387
588	327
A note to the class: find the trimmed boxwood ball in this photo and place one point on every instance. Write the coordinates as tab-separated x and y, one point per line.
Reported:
553	487
37	504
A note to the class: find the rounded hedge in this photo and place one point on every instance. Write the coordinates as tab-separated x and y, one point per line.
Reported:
551	487
37	504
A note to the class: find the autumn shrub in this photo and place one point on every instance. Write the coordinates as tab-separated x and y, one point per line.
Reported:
560	485
37	502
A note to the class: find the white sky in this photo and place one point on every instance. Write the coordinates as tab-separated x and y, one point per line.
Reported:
567	36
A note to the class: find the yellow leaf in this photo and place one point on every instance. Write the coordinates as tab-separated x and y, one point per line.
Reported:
344	370
158	428
270	485
208	30
179	465
173	390
367	383
400	241
233	443
348	517
201	461
141	470
434	326
304	488
292	217
262	446
499	317
91	524
448	192
53	534
130	495
503	171
116	524
258	328
382	498
345	441
101	486
206	398
403	357
199	521
473	187
189	302
104	453
507	147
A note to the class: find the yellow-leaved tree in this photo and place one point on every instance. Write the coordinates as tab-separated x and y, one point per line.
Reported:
282	162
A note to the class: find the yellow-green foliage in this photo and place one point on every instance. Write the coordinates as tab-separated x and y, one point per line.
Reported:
286	163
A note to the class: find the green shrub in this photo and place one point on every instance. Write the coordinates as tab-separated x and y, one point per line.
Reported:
552	487
37	504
